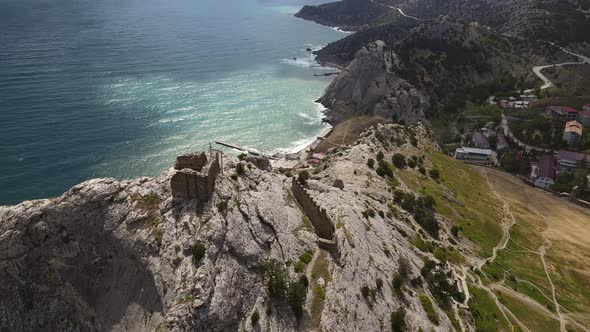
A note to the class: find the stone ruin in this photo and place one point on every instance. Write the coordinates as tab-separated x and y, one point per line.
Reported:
195	175
318	216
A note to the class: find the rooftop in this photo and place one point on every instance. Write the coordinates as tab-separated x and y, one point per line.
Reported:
563	109
570	155
474	151
480	139
547	167
573	127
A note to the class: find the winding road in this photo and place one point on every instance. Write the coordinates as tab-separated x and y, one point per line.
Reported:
546	82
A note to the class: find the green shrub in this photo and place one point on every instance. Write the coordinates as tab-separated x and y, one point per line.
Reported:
379	283
296	295
242	156
434	173
255	318
222	206
320	292
198	250
429	308
240	170
368	213
411	163
152	200
399	160
371	162
397	283
380	156
306	257
398	320
176	261
455	231
422	170
276	278
299	267
384	169
365	292
404	269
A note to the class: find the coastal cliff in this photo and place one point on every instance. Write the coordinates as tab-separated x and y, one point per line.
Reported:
371	85
125	255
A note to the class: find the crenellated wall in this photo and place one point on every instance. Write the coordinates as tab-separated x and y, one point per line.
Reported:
322	223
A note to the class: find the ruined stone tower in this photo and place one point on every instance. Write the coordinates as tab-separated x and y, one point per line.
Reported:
195	175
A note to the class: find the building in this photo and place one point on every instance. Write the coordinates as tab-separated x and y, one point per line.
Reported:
480	140
584	117
562	113
501	143
572	132
568	160
546	176
475	154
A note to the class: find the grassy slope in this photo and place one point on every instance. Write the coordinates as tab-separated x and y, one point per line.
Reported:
543	219
463	197
488	316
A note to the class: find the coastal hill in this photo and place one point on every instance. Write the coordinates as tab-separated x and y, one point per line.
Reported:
565	22
350	15
427	67
418	241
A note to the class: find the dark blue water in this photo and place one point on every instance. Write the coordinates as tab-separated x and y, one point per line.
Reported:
119	88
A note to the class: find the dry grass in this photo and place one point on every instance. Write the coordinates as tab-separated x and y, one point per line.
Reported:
564	228
348	132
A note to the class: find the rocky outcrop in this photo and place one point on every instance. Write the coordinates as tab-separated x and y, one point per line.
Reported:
127	256
370	85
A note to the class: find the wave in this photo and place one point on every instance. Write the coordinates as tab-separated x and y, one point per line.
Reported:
342	31
307	61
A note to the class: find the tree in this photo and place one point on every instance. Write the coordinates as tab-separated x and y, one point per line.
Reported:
198	250
399	160
434	173
398	320
296	295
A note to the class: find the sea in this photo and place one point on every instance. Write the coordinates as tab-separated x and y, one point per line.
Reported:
119	88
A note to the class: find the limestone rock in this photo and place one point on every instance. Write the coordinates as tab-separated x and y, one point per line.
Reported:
369	85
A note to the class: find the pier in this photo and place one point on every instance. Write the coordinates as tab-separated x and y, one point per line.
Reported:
237	147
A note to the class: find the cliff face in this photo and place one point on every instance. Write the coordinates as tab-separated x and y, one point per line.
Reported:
124	255
371	85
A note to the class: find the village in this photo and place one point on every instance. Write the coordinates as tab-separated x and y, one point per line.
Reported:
548	149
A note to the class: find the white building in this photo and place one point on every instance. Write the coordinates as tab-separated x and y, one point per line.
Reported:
475	154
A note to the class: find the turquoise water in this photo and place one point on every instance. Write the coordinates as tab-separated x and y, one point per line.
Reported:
119	88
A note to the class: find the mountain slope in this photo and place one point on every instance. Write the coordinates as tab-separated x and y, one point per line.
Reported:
563	22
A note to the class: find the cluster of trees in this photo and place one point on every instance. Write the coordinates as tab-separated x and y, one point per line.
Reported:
279	287
422	209
514	162
567	181
439	285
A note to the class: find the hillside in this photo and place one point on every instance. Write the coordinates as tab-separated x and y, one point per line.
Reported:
564	22
411	232
348	15
427	68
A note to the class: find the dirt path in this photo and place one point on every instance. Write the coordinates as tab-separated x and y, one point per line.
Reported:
557	307
508	216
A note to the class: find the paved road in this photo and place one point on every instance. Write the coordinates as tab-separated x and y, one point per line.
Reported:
546	82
